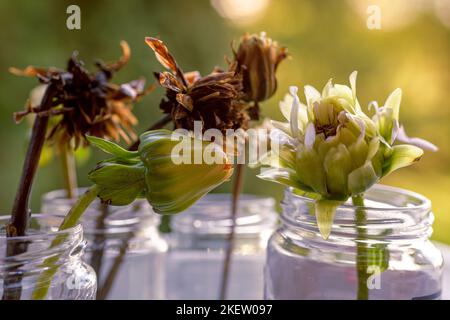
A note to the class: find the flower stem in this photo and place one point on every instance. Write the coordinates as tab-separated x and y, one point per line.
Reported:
69	170
71	220
99	242
105	287
20	212
237	189
361	249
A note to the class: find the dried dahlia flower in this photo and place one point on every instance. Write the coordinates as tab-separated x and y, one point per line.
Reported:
215	99
222	99
87	103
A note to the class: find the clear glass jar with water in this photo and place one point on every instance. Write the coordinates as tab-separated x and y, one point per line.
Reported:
401	261
24	274
198	242
124	247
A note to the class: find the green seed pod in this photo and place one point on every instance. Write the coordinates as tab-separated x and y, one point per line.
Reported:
163	171
173	179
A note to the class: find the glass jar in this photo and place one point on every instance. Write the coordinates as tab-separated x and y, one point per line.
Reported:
401	261
73	280
124	247
199	240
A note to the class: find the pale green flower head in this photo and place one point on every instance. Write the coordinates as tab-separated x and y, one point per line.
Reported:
331	150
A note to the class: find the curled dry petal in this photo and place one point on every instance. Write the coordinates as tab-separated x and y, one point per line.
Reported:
165	58
88	103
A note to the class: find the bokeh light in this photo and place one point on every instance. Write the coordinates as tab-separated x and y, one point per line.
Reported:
242	12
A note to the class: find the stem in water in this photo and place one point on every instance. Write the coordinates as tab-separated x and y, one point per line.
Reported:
237	189
71	220
361	248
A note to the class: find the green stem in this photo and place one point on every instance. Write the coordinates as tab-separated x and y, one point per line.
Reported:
99	242
361	248
69	170
71	220
105	287
237	189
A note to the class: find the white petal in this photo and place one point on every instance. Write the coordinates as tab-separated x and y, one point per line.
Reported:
352	80
278	136
311	94
393	102
294	112
286	106
327	88
310	135
418	142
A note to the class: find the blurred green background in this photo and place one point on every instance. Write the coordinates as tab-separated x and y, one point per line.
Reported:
325	38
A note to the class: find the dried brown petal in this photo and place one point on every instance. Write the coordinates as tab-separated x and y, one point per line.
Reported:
168	81
185	100
165	58
88	103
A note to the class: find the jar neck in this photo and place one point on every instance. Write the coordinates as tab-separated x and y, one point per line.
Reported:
389	215
133	219
104	219
38	245
211	216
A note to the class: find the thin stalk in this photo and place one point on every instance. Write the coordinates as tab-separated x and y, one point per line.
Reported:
157	125
69	170
361	248
99	241
105	287
20	212
237	189
70	220
107	284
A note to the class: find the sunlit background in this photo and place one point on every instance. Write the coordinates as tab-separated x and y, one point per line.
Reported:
325	38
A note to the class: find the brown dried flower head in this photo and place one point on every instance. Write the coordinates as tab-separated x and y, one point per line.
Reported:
257	58
87	103
215	99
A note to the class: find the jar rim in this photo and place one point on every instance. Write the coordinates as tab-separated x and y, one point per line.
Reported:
421	202
69	231
59	195
118	220
212	215
400	215
40	243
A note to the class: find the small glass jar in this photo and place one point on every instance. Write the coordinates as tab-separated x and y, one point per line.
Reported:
73	280
124	247
199	240
401	261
